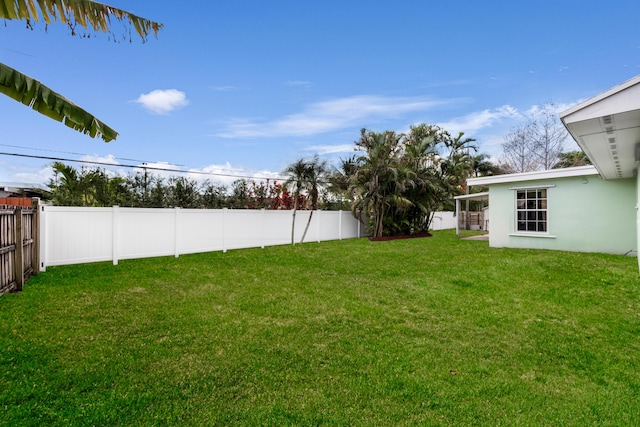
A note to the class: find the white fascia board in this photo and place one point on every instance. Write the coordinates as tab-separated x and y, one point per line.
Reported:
534	176
601	110
474	196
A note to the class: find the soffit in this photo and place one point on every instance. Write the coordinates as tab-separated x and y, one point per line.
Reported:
607	128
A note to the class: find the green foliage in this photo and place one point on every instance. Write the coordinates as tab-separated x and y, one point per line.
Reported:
182	192
401	180
342	333
98	187
42	99
571	159
90	15
339	194
214	196
310	177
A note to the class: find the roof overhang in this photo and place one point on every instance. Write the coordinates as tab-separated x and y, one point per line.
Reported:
534	176
475	196
607	128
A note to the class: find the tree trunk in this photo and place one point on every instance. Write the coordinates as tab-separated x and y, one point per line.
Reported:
307	227
293	221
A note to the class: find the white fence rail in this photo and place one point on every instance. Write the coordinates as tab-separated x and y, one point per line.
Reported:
443	221
74	235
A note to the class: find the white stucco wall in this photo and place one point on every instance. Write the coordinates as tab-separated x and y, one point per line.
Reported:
585	214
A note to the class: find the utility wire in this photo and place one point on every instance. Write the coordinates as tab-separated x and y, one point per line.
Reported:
143	166
71	152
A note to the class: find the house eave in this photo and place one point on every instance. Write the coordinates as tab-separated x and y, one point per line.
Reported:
607	128
534	176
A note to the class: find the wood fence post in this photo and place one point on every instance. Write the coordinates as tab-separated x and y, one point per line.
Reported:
35	235
42	237
19	260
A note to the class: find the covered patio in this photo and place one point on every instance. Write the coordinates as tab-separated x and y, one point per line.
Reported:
479	197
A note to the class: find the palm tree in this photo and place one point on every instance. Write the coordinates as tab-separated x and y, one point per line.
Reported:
441	164
380	178
65	185
316	175
401	180
482	166
421	155
39	97
297	172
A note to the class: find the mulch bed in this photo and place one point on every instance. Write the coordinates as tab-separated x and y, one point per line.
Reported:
406	236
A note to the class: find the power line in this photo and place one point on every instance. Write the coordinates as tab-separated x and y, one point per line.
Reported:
144	166
71	152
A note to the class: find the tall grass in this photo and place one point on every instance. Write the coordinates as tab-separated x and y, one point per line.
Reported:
432	331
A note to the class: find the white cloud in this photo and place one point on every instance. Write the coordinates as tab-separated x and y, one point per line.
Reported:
327	116
23	174
331	149
163	101
479	120
550	108
226	174
109	159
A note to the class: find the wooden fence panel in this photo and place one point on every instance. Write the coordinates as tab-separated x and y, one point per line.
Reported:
19	252
7	251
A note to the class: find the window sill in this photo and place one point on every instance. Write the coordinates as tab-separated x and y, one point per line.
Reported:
540	235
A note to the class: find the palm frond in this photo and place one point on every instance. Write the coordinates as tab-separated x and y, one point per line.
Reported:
39	97
89	14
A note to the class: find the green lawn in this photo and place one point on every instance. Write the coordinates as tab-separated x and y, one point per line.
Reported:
432	331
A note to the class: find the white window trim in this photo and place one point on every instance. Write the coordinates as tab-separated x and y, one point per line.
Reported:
531	187
540	234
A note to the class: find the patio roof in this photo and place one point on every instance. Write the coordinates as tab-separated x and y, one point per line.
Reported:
607	128
475	196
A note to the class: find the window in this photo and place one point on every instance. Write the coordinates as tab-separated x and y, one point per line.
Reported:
531	210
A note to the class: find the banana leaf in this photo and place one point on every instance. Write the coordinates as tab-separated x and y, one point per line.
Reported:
39	97
84	12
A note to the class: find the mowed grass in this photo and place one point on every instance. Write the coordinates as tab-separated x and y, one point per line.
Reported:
431	331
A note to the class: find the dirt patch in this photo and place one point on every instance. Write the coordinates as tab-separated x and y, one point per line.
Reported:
405	236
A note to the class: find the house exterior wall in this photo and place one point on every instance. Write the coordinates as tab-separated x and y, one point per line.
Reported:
638	213
585	214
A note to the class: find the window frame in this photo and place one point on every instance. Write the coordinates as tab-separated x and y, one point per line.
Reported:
537	214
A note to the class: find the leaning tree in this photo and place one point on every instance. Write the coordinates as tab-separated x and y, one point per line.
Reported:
316	176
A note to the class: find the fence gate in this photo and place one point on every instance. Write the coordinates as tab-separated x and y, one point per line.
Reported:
18	246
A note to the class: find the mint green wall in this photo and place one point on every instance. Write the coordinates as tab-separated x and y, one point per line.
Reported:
638	211
599	216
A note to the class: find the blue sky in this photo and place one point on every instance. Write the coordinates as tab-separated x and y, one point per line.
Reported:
247	87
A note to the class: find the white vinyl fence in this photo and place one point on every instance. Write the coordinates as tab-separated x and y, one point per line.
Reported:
443	221
74	235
